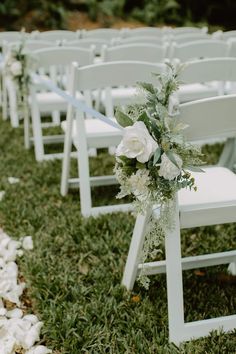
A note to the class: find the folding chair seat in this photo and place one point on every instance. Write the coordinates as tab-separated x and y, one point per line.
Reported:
89	133
213	203
54	63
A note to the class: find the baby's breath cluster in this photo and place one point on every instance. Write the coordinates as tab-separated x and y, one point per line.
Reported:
153	160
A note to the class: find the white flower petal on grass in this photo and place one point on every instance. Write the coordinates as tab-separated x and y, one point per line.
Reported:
3	312
168	169
13	180
16	330
20	253
40	349
31	318
137	143
7	347
2	193
27	243
15	313
32	336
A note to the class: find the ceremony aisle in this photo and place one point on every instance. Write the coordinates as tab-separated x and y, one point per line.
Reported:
74	272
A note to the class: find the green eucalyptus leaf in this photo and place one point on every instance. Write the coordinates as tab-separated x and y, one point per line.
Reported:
156	156
172	158
147	86
144	118
123	119
194	169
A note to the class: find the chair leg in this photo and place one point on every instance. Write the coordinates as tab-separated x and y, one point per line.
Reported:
83	167
37	133
174	282
4	101
56	117
67	152
136	245
13	106
26	123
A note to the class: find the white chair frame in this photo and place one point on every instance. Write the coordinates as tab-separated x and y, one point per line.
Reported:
51	59
190	215
210	48
87	79
205	71
142	52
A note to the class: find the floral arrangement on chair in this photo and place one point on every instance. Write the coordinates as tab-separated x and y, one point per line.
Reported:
17	65
153	160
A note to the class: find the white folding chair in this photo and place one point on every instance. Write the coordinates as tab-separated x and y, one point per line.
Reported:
9	88
211	48
213	203
54	62
210	77
6	36
204	78
92	133
135	51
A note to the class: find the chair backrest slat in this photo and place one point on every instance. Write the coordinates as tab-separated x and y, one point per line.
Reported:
209	118
118	73
142	52
210	69
63	56
199	49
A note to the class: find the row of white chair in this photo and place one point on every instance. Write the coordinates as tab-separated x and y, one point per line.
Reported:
44	103
102	33
167	33
213	203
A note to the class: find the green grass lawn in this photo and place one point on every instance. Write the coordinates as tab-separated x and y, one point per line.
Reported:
75	270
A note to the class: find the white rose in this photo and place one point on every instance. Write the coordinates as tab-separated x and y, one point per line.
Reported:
16	68
137	143
168	169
